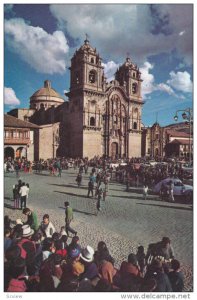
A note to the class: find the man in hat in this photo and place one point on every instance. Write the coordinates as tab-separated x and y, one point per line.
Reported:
27	247
87	259
69	218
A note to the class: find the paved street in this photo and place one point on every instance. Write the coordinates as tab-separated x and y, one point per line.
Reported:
125	222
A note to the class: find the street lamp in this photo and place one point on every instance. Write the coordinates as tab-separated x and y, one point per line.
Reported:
186	115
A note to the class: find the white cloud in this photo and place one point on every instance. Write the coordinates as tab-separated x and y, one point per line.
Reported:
110	69
181	81
165	88
10	97
46	53
117	29
148	85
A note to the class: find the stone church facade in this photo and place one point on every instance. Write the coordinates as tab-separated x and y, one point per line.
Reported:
99	119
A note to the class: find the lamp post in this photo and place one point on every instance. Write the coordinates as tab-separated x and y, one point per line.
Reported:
187	115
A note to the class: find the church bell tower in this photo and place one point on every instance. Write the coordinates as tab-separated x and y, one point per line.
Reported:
86	94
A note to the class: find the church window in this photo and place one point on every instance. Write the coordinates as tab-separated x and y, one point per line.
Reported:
134	88
92	76
92	121
133	75
77	77
135	125
92	60
115	120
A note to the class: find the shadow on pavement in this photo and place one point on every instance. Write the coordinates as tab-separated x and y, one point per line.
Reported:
8	206
167	206
79	211
69	185
136	191
83	212
129	197
42	174
71	194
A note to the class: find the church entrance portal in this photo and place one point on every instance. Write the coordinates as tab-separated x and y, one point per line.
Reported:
114	150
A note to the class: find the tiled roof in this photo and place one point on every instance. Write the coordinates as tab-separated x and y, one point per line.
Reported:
10	121
180	141
177	133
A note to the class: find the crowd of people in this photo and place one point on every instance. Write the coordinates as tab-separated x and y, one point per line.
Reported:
39	258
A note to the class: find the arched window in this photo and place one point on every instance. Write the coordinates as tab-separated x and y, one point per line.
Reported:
92	60
134	88
135	125
92	121
92	76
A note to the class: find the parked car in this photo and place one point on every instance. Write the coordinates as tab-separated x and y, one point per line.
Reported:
180	189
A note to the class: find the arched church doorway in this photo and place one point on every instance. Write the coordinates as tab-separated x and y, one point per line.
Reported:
9	152
114	150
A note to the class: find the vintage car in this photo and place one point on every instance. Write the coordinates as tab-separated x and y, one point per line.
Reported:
180	189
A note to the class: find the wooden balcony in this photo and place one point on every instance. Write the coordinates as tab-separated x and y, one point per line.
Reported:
16	141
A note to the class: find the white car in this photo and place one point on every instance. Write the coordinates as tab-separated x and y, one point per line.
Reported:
180	189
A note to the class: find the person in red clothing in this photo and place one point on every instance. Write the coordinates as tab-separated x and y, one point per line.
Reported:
60	249
130	277
130	267
17	282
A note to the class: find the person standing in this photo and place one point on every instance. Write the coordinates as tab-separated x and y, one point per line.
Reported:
90	188
79	179
23	193
99	195
69	218
145	191
16	196
171	190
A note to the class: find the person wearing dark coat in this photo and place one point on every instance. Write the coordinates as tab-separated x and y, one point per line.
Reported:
176	277
155	270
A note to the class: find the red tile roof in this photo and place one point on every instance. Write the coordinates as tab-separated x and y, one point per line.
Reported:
181	141
177	133
10	121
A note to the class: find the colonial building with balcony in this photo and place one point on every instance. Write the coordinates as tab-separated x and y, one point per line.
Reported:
20	138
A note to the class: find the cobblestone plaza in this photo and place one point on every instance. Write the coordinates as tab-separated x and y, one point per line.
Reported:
125	222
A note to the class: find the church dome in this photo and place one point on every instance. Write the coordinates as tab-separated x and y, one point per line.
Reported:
87	47
45	97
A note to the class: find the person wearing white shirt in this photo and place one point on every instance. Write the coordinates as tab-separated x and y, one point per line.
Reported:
46	227
23	193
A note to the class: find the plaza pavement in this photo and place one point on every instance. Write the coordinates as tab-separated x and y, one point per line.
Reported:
125	222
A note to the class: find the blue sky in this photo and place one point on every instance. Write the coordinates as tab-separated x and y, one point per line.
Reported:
39	41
